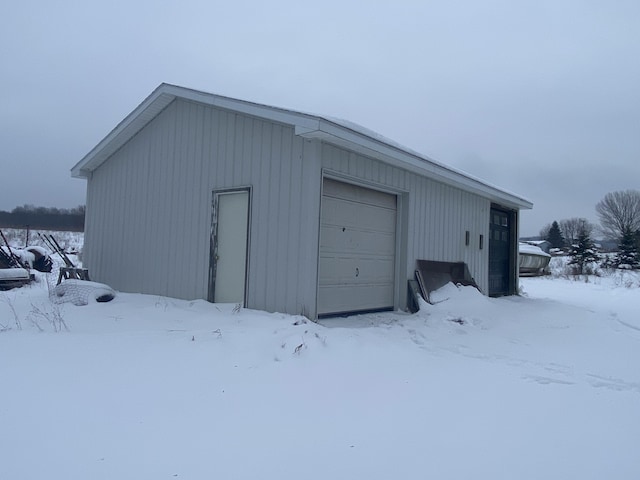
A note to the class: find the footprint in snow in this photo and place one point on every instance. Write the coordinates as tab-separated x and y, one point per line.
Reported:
612	383
547	380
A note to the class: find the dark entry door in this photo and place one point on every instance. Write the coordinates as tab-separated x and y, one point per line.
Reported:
499	253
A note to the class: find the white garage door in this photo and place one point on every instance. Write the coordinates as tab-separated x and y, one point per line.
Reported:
357	249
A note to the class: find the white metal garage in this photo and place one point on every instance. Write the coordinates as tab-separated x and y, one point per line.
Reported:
357	249
152	184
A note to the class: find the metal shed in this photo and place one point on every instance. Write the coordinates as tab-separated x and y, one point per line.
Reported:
196	195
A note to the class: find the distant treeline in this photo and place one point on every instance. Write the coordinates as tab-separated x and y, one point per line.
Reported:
44	218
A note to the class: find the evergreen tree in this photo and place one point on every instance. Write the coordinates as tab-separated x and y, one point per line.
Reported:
583	253
627	256
554	237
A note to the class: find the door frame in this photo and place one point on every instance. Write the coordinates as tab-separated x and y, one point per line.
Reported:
213	243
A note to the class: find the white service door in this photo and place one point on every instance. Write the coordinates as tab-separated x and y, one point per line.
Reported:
231	251
357	249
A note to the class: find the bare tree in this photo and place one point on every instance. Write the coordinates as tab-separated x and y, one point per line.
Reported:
572	227
619	212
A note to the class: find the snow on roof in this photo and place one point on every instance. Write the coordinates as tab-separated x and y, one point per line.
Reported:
329	129
382	139
531	250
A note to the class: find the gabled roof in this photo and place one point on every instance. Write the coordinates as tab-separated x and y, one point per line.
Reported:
331	130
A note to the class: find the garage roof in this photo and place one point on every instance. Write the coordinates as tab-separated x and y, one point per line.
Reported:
331	130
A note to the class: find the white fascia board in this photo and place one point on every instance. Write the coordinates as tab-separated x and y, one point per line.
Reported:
393	155
123	132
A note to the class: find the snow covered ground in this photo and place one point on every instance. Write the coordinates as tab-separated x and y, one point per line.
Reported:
541	386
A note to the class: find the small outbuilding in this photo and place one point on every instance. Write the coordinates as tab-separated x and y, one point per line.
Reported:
200	196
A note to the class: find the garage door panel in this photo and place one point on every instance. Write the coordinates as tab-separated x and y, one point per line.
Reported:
356	193
357	215
357	249
343	270
335	239
337	299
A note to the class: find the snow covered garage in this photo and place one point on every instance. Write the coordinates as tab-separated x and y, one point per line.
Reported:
195	195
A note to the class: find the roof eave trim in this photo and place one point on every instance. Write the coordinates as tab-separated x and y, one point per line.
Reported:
352	140
159	99
308	126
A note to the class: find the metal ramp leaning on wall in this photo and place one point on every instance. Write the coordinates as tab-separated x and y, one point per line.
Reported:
432	275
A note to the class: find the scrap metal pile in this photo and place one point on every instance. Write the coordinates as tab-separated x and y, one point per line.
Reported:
13	272
73	284
16	264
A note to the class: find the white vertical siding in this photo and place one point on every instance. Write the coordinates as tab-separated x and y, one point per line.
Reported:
149	207
438	215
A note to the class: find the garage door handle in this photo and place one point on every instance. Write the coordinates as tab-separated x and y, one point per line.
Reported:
357	271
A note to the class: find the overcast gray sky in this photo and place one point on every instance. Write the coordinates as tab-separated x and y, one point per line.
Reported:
541	98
